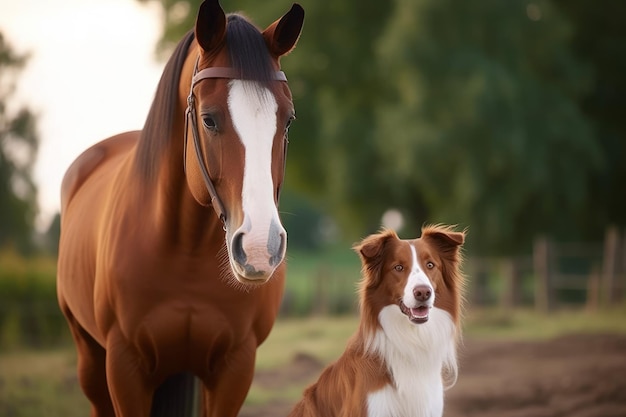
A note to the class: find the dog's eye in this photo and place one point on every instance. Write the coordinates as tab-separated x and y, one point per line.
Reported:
399	268
430	265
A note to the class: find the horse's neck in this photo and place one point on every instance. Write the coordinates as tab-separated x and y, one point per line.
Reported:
167	206
176	214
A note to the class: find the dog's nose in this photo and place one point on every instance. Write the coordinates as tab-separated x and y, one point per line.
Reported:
422	292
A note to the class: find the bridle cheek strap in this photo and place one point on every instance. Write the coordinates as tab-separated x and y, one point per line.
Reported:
191	119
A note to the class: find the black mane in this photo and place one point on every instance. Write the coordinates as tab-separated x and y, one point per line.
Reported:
158	125
247	50
248	55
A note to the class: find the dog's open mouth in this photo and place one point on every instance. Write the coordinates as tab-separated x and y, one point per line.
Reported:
416	314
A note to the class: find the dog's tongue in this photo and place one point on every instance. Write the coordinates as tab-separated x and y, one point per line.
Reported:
420	312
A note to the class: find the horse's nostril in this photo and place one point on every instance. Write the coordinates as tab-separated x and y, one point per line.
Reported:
277	251
276	242
239	255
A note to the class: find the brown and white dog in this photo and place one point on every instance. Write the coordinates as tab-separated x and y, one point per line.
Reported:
396	363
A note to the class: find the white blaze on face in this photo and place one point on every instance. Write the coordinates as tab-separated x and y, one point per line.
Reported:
416	277
253	110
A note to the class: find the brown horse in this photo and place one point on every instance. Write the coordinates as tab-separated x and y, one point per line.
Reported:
156	288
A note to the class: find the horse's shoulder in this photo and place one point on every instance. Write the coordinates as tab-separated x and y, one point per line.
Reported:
87	162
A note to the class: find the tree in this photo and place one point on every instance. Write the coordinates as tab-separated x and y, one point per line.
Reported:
599	39
482	120
449	110
334	81
18	149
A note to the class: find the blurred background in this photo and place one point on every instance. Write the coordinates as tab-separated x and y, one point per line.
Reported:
503	117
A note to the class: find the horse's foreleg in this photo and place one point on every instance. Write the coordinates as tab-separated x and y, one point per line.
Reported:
225	392
130	393
91	369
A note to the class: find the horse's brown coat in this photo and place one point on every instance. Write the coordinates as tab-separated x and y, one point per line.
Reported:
142	277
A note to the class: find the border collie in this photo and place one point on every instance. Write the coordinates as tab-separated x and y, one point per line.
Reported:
404	352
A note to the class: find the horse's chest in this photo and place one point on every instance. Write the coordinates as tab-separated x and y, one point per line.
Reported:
173	302
178	333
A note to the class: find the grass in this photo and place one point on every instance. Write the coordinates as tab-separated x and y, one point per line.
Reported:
35	383
529	325
325	338
321	337
40	384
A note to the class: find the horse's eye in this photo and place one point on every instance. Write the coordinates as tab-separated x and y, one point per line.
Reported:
209	122
399	268
430	265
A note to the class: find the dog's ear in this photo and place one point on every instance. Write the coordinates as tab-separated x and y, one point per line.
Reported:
448	242
371	250
445	239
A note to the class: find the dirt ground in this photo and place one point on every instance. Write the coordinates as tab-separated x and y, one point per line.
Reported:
571	376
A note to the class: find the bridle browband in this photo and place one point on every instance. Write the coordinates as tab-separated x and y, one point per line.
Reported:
225	72
190	118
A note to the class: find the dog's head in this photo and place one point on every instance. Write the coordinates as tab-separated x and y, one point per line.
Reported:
414	274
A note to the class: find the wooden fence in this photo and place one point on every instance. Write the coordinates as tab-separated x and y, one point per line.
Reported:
556	274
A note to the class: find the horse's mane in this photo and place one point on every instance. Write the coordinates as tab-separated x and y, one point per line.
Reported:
248	55
158	125
247	50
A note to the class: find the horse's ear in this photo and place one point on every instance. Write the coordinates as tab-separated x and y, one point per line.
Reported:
282	35
372	253
210	25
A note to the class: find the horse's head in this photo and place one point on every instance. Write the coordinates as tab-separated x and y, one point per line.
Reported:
239	112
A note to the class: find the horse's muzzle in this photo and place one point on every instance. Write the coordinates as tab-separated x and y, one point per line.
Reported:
255	256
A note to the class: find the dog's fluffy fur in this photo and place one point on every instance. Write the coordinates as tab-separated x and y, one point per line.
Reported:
404	351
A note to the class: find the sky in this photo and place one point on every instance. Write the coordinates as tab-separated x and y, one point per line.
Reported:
92	73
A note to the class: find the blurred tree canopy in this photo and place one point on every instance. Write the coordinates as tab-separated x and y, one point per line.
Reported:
599	39
506	117
18	150
482	119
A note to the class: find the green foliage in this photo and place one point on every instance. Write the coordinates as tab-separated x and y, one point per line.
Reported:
599	39
303	222
18	149
29	313
482	121
506	117
321	282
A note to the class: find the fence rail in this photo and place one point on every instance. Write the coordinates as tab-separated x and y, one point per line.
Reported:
555	274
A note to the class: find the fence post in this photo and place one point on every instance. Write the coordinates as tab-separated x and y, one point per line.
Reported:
541	265
478	282
593	290
621	290
510	291
321	302
609	264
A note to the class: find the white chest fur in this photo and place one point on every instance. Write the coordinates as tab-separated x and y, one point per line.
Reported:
415	356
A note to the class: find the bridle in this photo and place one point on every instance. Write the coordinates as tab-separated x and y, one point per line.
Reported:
191	119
